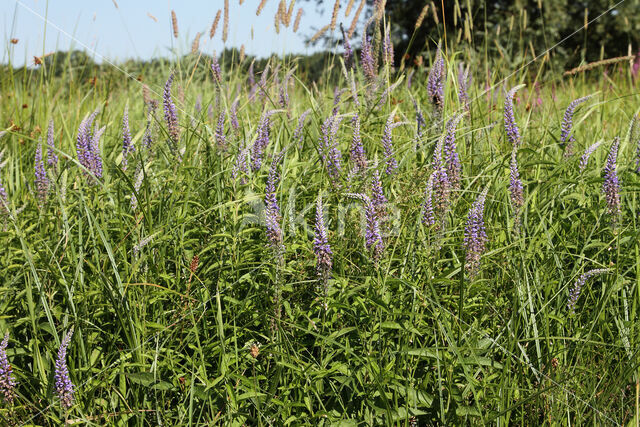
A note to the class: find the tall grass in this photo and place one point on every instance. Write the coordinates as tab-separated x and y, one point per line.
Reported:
172	303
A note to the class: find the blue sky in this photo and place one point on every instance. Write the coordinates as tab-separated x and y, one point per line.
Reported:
127	31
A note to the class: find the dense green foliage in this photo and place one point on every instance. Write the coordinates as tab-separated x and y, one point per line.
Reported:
517	29
172	303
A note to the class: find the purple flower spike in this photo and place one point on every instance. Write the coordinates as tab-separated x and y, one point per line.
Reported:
566	137
52	157
358	156
170	114
240	165
428	216
127	144
63	385
475	236
378	199
262	140
574	293
233	114
515	186
216	71
329	151
221	138
41	181
366	58
321	247
297	133
94	149
389	158
7	381
464	83
510	125
435	81
387	48
584	160
452	159
421	123
441	183
611	184
272	213
372	236
4	200
348	52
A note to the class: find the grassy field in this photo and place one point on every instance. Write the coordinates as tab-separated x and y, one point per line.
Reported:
191	282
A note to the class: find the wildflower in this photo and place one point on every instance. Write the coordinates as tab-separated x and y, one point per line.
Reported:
510	125
515	185
390	160
366	58
428	217
4	200
272	214
378	199
441	183
420	123
435	81
329	151
566	137
83	141
574	293
297	133
262	140
284	90
170	114
387	48
94	150
147	138
321	246
233	114
464	82
587	153
475	236
348	52
216	71
358	156
611	184
7	381
52	157
452	159
41	181
240	165
127	144
373	237
221	139
63	385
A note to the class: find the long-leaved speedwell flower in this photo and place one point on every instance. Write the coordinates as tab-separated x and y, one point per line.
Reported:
574	293
262	140
421	123
62	383
358	156
298	134
566	137
611	184
510	125
127	143
240	166
372	235
387	49
171	115
366	58
378	199
216	71
391	164
451	157
436	81
329	150
272	209
441	184
233	114
516	192
348	52
41	179
464	83
321	247
584	159
52	157
7	381
428	214
221	139
475	236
